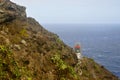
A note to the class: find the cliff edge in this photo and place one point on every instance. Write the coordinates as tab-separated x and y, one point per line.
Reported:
30	52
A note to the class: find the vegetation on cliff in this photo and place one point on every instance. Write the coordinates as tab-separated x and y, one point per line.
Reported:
29	52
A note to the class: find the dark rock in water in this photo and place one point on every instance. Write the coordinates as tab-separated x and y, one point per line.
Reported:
10	11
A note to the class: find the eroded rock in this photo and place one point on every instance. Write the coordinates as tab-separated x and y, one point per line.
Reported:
10	11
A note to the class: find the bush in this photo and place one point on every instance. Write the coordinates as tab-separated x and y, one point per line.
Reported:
9	67
63	68
23	32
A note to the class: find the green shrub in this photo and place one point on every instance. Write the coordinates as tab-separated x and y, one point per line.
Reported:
59	62
23	32
63	68
9	67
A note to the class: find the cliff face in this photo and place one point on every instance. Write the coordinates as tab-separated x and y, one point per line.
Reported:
29	52
10	11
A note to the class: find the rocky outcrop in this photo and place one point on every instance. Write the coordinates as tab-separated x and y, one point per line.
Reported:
10	11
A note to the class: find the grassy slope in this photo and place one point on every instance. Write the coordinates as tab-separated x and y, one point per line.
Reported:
43	56
34	57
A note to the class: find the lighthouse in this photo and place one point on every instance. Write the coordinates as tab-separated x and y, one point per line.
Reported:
77	49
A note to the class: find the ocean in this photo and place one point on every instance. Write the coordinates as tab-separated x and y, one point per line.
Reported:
99	41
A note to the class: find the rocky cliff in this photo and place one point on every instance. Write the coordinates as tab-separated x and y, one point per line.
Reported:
30	52
10	11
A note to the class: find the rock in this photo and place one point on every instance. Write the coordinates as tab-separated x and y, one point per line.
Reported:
24	42
17	47
1	11
4	40
7	41
2	2
10	11
3	33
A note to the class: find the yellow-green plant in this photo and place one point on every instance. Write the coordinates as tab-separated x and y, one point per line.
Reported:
59	62
9	67
3	48
23	32
56	59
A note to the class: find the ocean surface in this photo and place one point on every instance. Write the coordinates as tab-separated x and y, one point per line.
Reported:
99	41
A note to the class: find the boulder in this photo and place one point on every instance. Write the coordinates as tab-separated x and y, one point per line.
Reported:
24	42
17	47
10	11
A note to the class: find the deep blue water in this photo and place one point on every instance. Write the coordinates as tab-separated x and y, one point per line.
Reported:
100	42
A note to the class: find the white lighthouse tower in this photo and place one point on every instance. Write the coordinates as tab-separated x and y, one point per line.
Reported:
77	49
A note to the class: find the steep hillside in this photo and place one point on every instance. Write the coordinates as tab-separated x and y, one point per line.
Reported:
29	52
